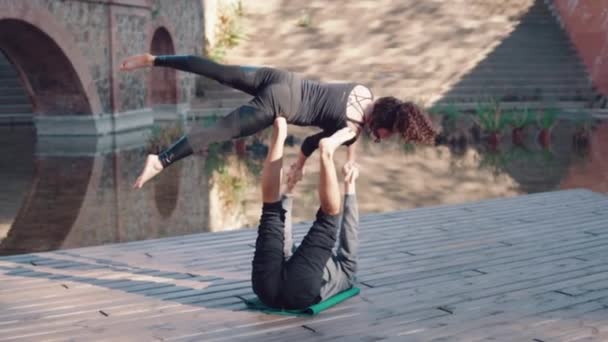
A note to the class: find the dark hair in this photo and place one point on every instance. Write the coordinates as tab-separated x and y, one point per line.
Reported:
405	118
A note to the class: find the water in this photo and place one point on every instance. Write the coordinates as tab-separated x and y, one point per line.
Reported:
65	194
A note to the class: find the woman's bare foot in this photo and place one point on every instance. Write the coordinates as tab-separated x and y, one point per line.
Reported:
137	61
151	169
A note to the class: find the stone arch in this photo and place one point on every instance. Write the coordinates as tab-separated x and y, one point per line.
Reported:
39	227
163	81
61	82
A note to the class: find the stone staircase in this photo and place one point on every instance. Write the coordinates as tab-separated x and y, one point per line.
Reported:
534	65
435	51
15	105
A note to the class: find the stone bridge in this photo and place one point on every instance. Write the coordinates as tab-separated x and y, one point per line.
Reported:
63	58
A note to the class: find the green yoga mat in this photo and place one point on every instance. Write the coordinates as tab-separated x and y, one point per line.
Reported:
256	304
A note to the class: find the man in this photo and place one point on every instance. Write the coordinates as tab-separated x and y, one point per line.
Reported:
313	273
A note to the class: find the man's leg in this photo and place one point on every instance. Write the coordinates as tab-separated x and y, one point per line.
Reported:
304	271
349	240
329	190
268	259
287	204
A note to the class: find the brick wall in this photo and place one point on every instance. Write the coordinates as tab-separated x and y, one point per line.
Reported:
586	21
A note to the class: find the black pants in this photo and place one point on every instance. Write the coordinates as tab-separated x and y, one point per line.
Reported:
295	283
276	92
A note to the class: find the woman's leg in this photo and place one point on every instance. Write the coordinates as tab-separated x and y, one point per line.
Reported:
268	260
235	76
348	246
241	122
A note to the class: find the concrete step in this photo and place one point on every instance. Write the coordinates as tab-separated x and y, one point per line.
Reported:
12	91
550	44
540	71
532	62
197	113
16	119
541	21
8	72
8	69
524	90
15	108
536	40
525	82
10	83
533	49
515	94
477	97
572	105
476	76
227	93
522	30
522	59
206	103
13	99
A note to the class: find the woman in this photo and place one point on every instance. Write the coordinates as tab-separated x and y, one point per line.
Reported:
342	110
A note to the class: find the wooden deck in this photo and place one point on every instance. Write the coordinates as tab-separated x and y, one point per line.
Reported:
531	268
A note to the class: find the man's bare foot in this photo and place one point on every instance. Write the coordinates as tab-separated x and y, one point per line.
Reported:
151	169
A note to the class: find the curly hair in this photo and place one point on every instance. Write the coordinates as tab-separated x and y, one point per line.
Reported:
405	118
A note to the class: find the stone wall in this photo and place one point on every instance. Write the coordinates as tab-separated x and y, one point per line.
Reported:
587	24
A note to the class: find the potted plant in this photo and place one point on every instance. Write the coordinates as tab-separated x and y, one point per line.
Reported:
519	120
489	116
546	120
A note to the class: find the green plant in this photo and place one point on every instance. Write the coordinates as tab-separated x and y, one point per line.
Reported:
229	31
519	119
449	112
231	187
216	158
547	118
161	137
489	116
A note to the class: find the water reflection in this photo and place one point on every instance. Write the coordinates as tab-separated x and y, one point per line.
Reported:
65	195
